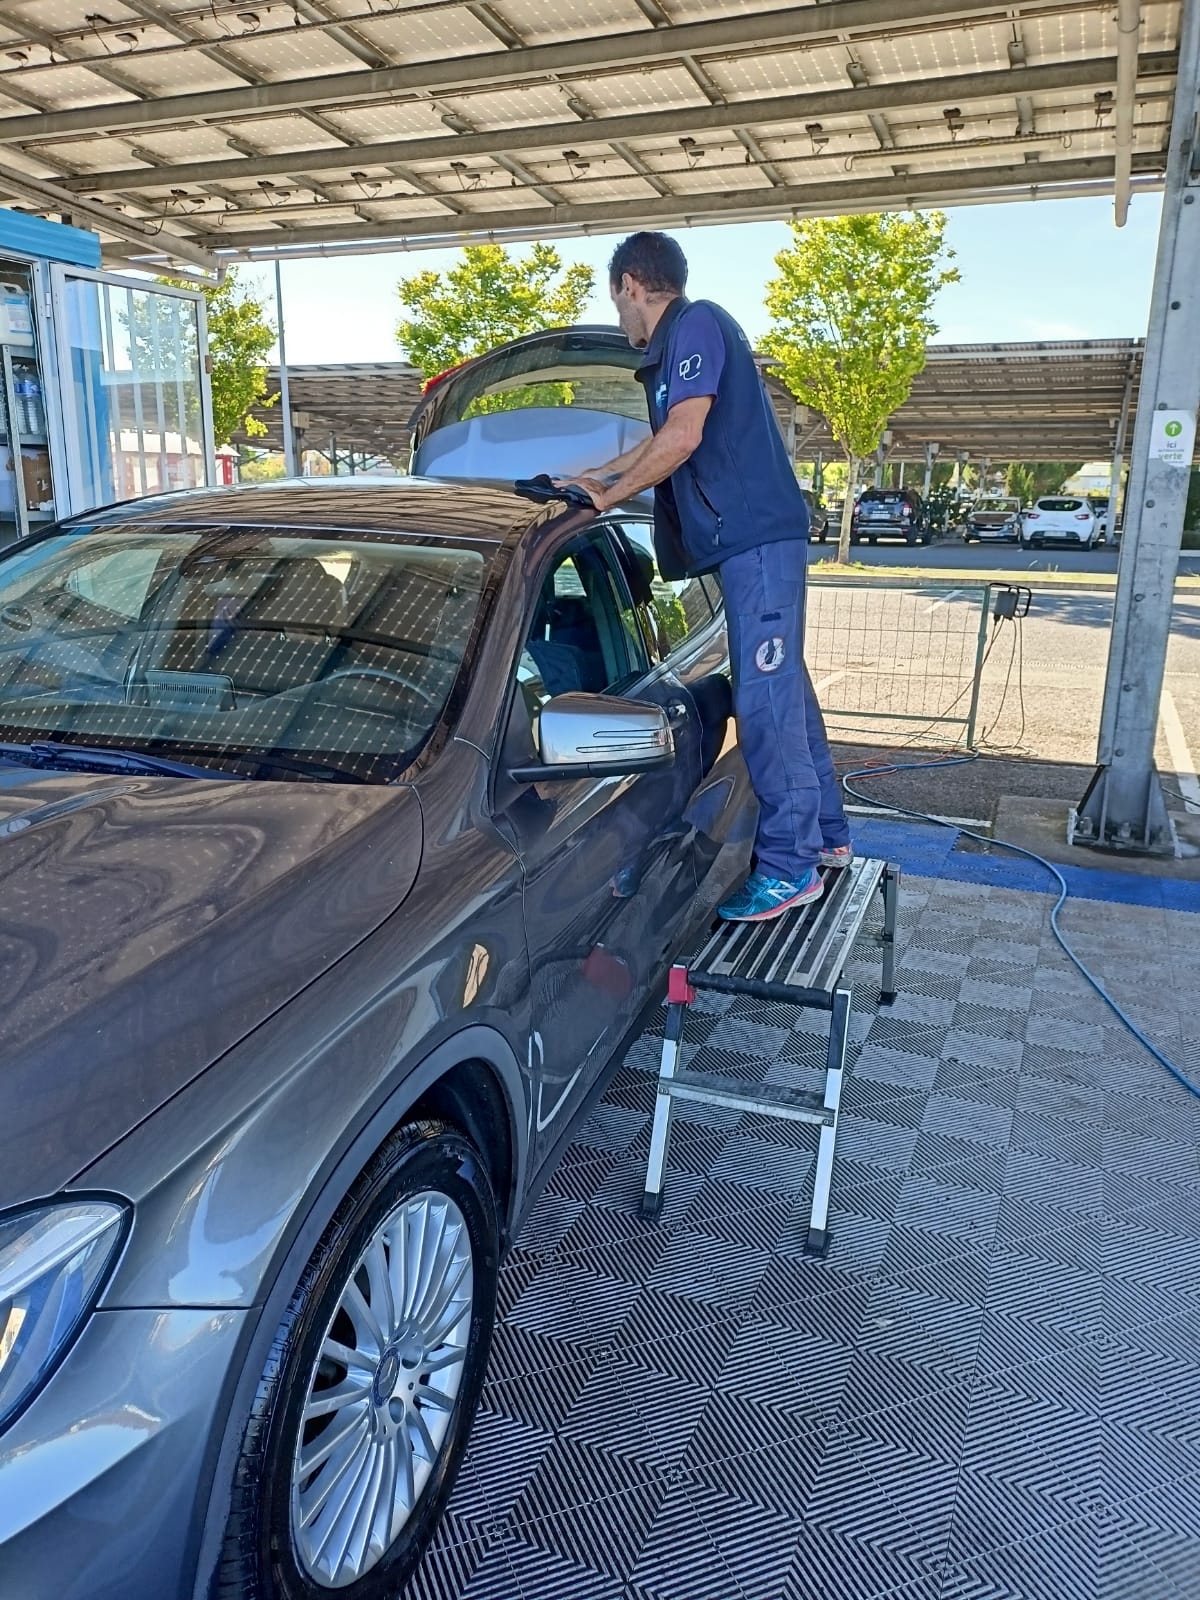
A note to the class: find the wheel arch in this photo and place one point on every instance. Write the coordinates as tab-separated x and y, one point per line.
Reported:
473	1073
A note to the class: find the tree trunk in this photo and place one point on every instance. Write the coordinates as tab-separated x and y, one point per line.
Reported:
848	509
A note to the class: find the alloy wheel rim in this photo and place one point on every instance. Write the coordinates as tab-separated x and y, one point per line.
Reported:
382	1394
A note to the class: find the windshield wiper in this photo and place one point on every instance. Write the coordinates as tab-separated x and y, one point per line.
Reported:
88	758
85	758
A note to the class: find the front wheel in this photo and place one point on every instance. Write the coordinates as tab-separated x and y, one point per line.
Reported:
367	1397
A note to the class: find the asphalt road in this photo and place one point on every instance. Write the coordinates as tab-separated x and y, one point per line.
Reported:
954	554
909	656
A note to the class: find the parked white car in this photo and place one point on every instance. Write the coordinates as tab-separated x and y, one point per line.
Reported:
1060	519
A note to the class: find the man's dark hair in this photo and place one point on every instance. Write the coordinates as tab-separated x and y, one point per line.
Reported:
654	259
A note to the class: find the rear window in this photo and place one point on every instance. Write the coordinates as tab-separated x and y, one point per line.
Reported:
884	497
1061	505
593	372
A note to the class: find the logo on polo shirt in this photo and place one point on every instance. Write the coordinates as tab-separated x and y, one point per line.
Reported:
690	368
769	655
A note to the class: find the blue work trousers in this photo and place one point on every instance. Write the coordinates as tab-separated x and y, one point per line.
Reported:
780	727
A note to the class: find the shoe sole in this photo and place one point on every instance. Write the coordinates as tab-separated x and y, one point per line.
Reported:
805	899
836	862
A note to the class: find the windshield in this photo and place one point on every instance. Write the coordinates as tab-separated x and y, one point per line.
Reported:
998	505
254	651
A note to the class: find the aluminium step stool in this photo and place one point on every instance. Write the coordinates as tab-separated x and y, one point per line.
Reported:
797	959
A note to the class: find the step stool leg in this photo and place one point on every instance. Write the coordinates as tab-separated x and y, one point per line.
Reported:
817	1242
680	994
891	898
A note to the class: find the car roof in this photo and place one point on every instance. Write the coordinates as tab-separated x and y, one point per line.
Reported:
424	506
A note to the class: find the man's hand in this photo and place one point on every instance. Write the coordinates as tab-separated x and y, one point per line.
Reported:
591	486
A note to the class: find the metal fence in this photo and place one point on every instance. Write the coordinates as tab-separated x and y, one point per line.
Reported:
898	658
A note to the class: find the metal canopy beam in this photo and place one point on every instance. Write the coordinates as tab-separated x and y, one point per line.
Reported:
368	404
787	27
913	94
910	191
55	198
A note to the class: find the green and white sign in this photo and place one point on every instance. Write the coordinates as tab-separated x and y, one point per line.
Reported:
1173	437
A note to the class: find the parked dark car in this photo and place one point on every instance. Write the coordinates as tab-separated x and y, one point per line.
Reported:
818	517
890	513
346	832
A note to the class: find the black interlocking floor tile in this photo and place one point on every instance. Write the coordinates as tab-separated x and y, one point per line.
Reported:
541	1400
983	1392
450	1569
754	1542
606	1535
543	1574
679	1559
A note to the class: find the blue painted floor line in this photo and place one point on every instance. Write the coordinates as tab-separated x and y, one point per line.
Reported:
928	850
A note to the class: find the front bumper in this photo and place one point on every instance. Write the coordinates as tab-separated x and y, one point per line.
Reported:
103	1479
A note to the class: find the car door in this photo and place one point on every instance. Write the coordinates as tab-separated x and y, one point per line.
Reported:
609	871
685	625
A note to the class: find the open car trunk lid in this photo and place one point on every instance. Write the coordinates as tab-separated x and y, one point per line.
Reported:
556	402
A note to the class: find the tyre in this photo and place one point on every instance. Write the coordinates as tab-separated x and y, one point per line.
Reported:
872	538
367	1397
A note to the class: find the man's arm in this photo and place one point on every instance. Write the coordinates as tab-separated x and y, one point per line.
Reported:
596	479
656	458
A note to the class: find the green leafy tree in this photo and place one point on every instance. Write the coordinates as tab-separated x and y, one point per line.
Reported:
850	320
1032	479
260	467
489	297
240	338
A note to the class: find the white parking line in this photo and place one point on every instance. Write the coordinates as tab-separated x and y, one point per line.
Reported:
1181	756
942	601
957	822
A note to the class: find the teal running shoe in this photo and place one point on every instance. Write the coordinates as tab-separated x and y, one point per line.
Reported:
761	899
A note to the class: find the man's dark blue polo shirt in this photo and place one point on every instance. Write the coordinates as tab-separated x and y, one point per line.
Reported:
737	489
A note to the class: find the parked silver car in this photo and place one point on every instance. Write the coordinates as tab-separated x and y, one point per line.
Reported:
346	832
994	516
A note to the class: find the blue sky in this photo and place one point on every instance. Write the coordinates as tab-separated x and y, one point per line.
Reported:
1030	270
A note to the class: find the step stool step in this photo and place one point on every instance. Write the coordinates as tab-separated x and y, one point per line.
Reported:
766	1099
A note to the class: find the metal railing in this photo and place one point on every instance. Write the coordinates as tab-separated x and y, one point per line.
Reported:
895	658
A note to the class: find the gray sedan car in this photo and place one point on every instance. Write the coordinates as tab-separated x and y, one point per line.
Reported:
346	832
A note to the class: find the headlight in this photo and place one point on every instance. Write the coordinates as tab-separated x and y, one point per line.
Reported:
52	1264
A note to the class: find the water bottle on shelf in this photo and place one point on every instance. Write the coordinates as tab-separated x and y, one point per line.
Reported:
24	419
37	411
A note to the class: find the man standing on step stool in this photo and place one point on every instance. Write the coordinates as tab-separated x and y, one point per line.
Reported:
727	500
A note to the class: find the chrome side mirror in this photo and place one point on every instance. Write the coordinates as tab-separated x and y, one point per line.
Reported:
594	736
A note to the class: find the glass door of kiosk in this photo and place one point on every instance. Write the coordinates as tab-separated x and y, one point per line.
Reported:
27	497
137	409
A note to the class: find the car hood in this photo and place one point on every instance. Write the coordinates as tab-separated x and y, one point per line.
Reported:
147	924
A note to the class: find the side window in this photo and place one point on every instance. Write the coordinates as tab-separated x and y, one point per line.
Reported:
584	635
673	610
